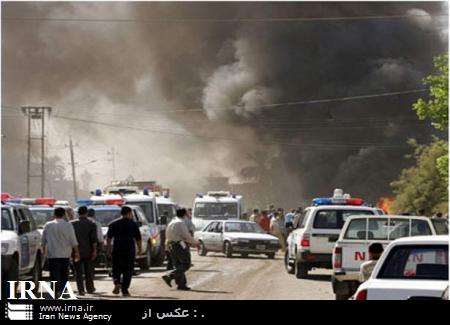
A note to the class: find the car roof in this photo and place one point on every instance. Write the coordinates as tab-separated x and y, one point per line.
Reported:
139	197
164	200
14	205
104	207
42	207
439	239
387	216
213	199
233	220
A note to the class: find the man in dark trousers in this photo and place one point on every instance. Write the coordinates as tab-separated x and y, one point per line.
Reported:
59	241
86	233
126	235
178	240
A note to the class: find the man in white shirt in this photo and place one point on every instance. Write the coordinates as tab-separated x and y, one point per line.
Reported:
178	240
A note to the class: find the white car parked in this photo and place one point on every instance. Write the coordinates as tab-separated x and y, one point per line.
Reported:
409	267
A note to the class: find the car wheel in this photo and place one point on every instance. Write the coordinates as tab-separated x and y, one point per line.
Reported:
271	255
12	274
144	263
36	272
228	250
341	297
158	260
244	255
289	269
202	249
301	271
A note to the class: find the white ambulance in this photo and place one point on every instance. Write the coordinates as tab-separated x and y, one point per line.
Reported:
216	205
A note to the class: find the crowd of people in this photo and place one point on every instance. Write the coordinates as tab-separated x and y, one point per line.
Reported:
276	222
78	241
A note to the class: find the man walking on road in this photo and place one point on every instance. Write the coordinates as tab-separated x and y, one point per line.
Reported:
86	233
178	240
59	241
126	235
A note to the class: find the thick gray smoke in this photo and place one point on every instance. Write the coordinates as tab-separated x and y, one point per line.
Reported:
141	73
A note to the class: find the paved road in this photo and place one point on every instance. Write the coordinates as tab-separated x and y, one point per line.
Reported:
217	277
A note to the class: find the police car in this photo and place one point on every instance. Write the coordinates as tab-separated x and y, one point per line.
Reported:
107	208
216	205
147	200
351	249
316	230
21	243
409	267
42	209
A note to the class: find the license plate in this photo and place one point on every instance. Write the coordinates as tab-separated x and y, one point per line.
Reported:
261	247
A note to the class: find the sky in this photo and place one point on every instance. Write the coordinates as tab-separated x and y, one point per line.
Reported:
183	91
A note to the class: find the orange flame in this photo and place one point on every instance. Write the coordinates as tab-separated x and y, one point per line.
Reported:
385	203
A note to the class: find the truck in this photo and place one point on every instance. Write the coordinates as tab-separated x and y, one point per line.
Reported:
360	231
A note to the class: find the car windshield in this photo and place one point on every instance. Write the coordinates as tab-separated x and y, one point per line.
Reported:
210	211
248	227
42	216
429	262
441	226
7	223
106	216
147	208
168	209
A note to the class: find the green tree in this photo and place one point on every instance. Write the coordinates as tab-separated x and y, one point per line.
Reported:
422	186
436	108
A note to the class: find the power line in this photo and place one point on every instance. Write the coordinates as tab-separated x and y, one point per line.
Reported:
272	105
213	137
221	20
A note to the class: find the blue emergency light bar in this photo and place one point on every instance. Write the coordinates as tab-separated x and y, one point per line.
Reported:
14	201
101	202
335	201
85	202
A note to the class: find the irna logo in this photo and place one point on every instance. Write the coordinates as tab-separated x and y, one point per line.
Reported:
28	290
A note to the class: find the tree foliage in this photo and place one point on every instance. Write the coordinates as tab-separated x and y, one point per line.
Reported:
422	187
436	108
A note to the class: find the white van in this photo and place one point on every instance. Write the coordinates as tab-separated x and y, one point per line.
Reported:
216	205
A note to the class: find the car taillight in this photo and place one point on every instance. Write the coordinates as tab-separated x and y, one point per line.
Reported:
337	257
361	295
305	240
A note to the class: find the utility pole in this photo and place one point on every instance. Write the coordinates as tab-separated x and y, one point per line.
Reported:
113	154
36	113
74	178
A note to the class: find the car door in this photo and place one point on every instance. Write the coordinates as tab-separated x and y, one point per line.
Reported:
217	237
206	235
25	252
34	236
143	229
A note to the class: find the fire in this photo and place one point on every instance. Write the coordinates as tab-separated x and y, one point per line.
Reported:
385	203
